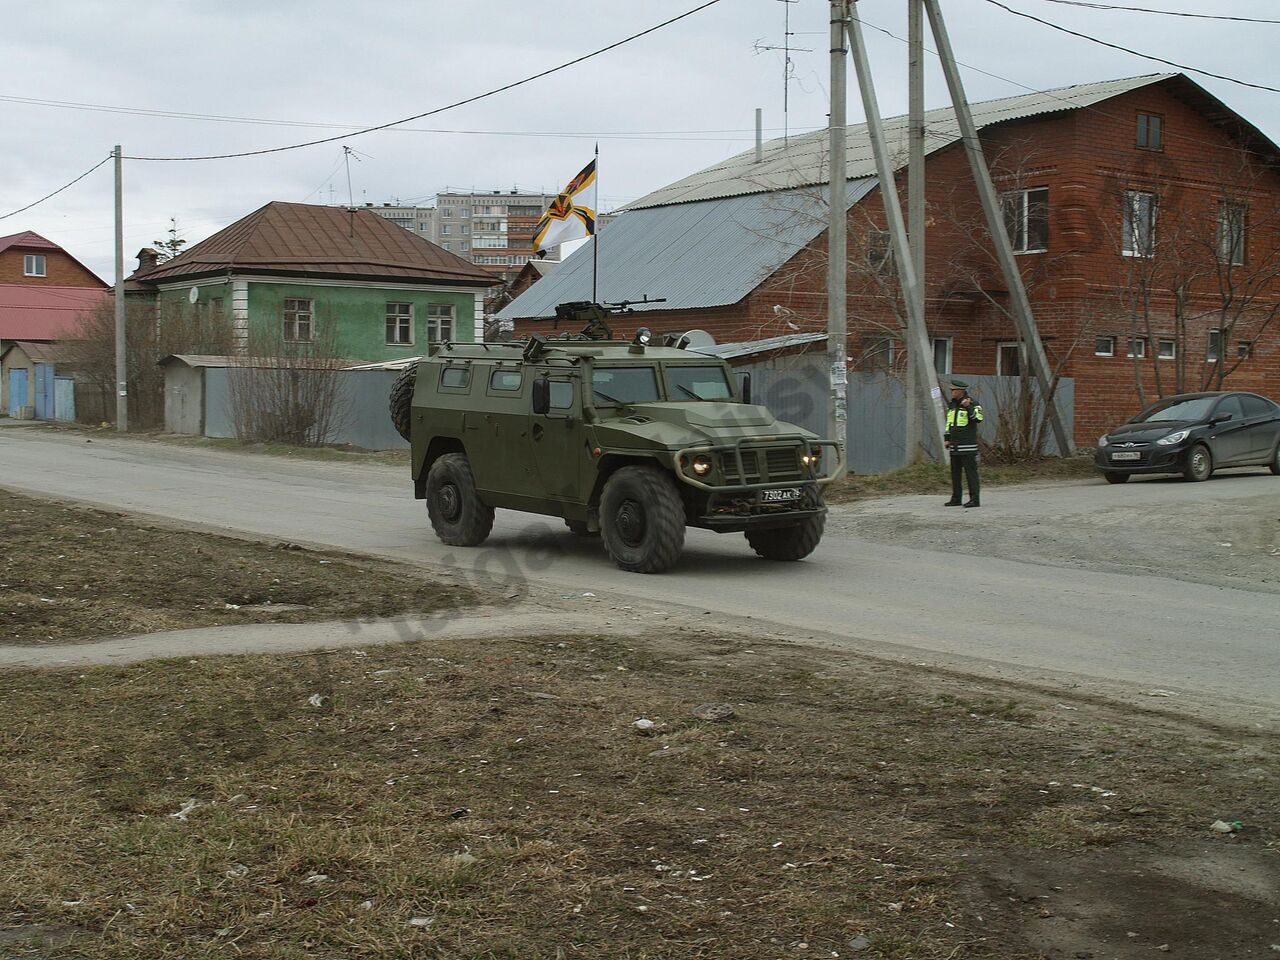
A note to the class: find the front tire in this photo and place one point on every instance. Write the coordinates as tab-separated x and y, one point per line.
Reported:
1112	476
642	519
1199	465
401	399
788	543
458	515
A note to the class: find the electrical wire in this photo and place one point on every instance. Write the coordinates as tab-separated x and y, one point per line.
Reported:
1167	13
1136	53
48	196
437	110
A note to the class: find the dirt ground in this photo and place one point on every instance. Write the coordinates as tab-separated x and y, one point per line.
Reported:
71	573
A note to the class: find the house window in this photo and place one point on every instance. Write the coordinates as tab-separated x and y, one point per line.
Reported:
1104	346
1230	239
444	229
1214	352
1137	348
942	355
1139	224
446	212
1009	360
464	245
1244	349
1150	131
1026	218
879	252
464	212
298	321
879	354
216	306
444	245
33	265
440	322
399	323
1167	349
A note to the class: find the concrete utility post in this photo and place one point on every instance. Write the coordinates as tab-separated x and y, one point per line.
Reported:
897	231
122	375
915	217
1021	306
837	240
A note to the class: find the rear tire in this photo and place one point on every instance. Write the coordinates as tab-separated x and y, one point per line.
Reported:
642	519
1274	465
401	399
788	543
1113	477
458	515
1199	465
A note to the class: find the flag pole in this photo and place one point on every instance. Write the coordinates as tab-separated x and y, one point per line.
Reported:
595	234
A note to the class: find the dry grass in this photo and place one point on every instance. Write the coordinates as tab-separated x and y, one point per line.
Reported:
70	573
935	478
499	791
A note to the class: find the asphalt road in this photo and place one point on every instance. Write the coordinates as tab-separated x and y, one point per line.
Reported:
1215	649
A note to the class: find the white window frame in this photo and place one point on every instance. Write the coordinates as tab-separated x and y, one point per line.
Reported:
1109	352
1022	358
948	347
1173	348
1214	336
1244	349
440	315
1229	242
402	320
882	350
35	265
1019	203
294	316
1132	242
1142	348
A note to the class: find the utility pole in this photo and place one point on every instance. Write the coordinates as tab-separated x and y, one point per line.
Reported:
1021	306
915	211
122	374
837	241
897	229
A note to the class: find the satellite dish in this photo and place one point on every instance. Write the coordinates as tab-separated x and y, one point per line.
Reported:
695	340
193	294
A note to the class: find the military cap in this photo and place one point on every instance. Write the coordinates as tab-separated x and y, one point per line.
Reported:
959	385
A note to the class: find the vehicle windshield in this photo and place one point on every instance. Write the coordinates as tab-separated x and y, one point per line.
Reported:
624	384
687	382
1193	408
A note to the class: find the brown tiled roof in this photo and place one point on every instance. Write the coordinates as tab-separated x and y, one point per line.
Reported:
307	240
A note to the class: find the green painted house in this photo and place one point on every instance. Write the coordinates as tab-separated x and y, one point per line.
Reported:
295	274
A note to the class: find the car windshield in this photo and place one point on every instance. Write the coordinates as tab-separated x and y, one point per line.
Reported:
687	382
624	384
1192	408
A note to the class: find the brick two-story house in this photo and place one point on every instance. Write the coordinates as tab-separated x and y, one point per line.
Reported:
1144	212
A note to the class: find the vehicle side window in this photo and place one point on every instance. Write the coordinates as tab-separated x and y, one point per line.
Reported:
455	377
561	395
1257	407
1229	405
502	379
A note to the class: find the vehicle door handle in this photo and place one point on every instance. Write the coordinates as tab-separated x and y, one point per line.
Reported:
537	431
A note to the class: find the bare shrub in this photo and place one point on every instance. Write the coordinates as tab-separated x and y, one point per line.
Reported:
288	392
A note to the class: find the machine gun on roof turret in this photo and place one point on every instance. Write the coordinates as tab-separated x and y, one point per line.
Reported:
596	316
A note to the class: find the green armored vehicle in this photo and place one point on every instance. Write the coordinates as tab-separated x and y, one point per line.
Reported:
629	441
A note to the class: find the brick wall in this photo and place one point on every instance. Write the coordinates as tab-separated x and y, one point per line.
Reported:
61	269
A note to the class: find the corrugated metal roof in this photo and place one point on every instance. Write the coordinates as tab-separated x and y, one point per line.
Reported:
748	348
30	312
803	160
704	254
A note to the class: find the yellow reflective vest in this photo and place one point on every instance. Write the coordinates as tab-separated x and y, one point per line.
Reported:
962	425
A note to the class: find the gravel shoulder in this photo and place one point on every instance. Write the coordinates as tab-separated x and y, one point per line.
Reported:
1225	532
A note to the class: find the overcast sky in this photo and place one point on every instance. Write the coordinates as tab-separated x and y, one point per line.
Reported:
662	106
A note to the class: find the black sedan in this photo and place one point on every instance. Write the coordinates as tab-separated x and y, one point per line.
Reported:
1193	434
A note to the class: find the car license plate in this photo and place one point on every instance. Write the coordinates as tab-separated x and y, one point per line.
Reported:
1128	455
785	495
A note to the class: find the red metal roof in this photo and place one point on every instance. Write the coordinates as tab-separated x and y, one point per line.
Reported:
27	241
45	313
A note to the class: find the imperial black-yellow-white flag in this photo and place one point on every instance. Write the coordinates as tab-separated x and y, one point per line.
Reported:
572	215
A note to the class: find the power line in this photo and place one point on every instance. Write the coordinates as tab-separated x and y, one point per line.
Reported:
452	106
14	213
1136	53
1167	13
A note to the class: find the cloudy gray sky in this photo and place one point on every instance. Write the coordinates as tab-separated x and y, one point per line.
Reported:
662	106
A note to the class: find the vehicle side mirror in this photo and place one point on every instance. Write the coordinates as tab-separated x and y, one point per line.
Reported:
1221	418
746	388
541	395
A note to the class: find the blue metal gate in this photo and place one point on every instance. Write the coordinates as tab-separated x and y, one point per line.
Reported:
44	391
17	389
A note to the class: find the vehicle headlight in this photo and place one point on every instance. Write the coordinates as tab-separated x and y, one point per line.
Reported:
1175	437
702	464
1103	440
812	458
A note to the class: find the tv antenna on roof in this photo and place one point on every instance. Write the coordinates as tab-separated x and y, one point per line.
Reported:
787	66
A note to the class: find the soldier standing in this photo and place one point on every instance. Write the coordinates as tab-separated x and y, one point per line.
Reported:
963	416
